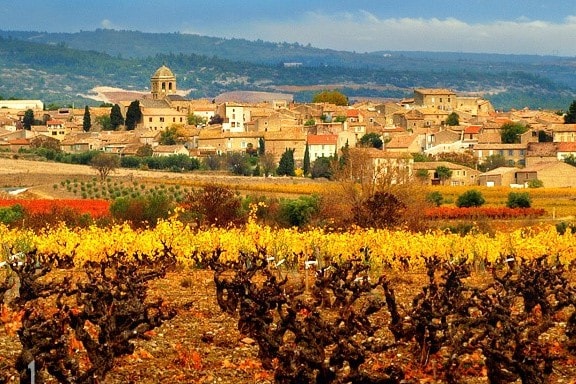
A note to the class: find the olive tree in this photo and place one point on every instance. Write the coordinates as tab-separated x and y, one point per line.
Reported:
105	163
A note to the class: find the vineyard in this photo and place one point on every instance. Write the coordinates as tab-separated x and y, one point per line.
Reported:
256	303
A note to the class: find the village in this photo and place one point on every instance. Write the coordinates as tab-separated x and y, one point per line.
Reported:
415	132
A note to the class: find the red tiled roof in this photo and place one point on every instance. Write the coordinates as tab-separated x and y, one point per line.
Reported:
54	122
352	113
566	146
473	129
322	139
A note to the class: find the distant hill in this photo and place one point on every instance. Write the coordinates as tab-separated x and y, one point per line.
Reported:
60	67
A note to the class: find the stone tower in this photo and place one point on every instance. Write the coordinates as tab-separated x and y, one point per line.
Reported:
163	83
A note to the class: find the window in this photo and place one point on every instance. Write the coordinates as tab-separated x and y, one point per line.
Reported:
173	119
161	119
510	152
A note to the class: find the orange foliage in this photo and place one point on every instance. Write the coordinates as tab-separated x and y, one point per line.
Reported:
95	208
482	212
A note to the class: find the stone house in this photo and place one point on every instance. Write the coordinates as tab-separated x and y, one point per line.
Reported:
80	142
276	143
411	143
563	132
410	120
437	98
157	115
214	140
461	175
502	176
170	150
556	174
381	166
514	154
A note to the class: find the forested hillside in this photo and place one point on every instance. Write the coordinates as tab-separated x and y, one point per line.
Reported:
58	68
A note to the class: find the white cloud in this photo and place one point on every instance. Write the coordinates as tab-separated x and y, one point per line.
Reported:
363	31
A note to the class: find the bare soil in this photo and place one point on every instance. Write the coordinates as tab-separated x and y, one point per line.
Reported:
40	177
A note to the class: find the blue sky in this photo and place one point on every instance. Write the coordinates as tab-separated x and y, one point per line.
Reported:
545	27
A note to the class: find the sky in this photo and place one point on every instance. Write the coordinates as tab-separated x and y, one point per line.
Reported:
542	27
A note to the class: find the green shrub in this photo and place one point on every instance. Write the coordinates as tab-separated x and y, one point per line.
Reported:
298	212
435	198
563	226
519	200
535	183
10	215
470	198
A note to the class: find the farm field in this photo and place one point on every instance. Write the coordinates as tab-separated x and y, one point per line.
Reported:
202	343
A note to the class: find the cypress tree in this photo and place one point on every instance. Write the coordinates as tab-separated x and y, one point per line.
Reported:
116	118
87	122
306	164
133	115
286	165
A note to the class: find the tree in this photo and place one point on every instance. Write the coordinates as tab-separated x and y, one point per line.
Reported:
371	139
261	147
104	122
286	165
306	162
510	132
145	151
87	121
116	118
435	198
105	163
422	176
133	115
267	163
470	198
453	119
519	200
332	97
493	162
444	173
170	136
322	167
570	159
545	137
216	119
28	119
570	116
238	163
196	120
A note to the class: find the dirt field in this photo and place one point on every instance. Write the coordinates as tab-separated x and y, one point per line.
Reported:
39	177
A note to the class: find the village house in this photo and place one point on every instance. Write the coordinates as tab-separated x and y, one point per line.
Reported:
563	132
381	166
322	146
556	174
443	140
437	98
80	142
222	142
411	143
461	175
513	154
234	116
170	150
502	176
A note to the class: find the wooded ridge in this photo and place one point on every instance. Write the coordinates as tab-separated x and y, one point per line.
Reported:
58	68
